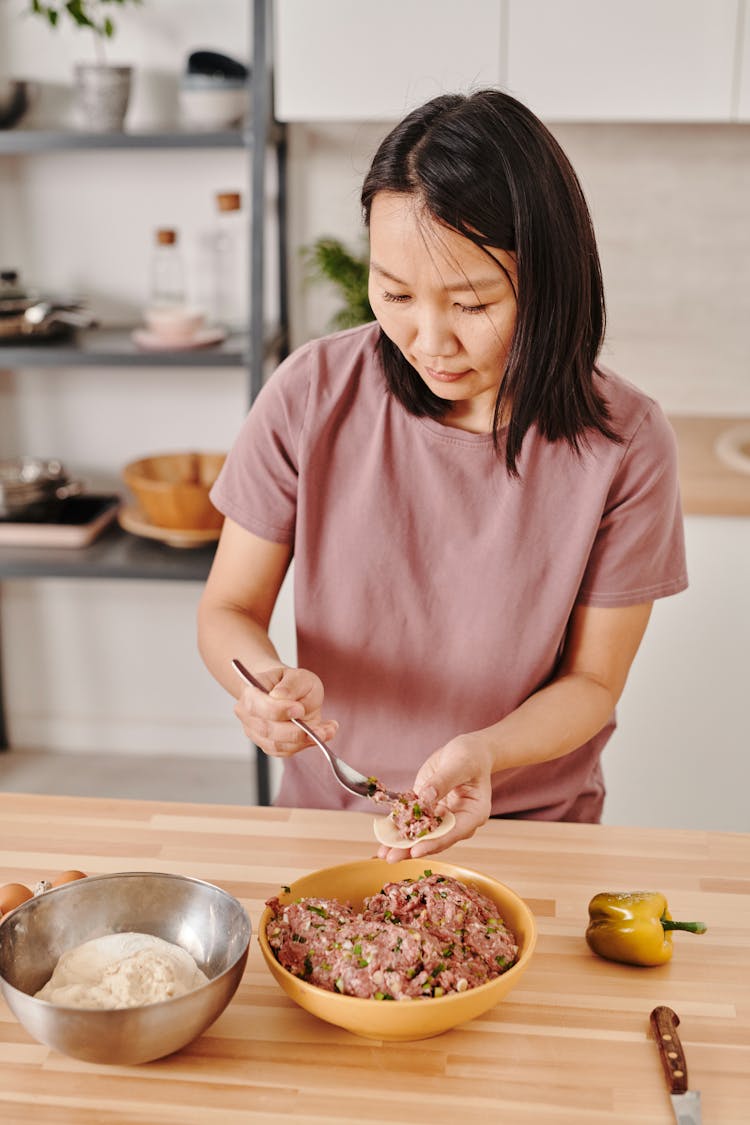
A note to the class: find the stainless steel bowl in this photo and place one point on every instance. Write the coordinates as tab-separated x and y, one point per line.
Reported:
205	920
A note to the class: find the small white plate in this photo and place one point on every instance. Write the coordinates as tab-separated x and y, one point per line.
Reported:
387	833
153	342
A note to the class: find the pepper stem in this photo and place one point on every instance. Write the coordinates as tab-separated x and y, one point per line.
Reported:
691	927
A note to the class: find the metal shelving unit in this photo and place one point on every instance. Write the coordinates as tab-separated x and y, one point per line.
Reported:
116	554
114	347
16	142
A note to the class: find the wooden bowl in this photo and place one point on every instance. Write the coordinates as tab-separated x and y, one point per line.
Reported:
171	489
406	1019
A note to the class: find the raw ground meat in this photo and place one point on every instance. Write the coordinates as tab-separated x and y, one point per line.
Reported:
417	938
413	818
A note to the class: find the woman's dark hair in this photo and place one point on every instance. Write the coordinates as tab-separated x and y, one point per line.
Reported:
485	166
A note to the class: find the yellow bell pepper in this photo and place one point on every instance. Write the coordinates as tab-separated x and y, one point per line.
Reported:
634	927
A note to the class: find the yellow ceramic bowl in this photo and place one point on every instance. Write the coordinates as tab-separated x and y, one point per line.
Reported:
406	1019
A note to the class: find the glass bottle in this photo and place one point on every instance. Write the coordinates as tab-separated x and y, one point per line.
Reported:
167	270
229	301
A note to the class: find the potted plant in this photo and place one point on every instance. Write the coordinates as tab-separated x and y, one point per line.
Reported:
327	259
102	91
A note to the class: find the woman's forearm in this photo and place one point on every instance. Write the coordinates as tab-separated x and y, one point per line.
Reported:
555	720
225	633
237	603
575	705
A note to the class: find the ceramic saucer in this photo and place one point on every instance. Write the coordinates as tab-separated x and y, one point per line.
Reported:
152	342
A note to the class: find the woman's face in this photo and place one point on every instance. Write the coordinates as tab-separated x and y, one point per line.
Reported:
444	303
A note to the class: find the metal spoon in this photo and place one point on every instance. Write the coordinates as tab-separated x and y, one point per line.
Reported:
346	776
43	313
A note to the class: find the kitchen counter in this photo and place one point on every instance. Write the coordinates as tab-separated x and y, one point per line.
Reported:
570	1044
708	486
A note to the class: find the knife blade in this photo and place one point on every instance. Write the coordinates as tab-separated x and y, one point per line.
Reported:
685	1103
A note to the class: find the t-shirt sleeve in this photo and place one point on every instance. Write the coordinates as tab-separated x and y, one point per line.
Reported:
257	486
639	550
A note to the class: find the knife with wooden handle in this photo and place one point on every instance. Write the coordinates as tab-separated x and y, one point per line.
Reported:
685	1103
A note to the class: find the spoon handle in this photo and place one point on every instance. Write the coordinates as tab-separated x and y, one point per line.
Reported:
246	675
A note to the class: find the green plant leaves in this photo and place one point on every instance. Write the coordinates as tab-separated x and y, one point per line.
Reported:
327	259
83	13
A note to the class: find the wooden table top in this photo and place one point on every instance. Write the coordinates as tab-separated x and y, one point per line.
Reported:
571	1043
708	486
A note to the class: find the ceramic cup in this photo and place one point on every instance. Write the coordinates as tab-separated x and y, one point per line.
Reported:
174	323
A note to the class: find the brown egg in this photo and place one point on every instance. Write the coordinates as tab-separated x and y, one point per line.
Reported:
67	877
12	895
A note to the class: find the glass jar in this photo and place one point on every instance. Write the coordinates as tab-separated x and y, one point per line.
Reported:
229	264
167	285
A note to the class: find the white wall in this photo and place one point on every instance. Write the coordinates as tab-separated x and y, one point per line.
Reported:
671	206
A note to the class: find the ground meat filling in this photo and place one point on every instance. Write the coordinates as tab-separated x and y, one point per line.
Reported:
418	938
413	818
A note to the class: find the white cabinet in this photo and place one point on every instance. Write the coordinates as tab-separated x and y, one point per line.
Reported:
343	61
623	60
743	67
569	60
679	757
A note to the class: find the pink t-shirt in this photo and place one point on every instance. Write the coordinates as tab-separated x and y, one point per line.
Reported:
432	590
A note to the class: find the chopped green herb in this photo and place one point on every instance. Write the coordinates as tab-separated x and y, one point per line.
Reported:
308	966
317	910
286	890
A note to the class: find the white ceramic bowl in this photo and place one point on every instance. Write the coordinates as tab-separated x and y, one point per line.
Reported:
209	103
174	323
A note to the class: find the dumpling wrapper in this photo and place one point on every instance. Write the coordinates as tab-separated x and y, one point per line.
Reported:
387	833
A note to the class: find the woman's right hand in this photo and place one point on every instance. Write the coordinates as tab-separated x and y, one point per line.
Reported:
294	693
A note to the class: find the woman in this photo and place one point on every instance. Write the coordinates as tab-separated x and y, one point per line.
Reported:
480	515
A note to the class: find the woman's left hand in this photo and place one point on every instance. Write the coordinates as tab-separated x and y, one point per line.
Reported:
459	776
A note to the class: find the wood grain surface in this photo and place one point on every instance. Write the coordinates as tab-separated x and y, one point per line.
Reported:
708	486
571	1043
